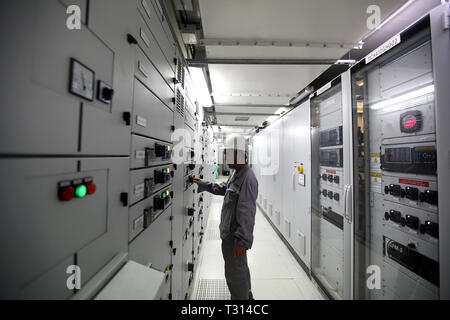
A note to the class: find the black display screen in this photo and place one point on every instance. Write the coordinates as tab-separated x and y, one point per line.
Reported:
399	155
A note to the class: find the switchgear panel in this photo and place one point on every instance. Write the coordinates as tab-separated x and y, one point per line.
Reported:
394	104
331	158
146	212
410	258
328	196
411	158
149	152
331	137
145	182
75	202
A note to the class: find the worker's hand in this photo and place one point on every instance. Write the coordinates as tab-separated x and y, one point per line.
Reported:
239	251
197	180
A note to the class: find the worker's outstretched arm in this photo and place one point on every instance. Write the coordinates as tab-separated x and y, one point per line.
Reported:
214	188
245	213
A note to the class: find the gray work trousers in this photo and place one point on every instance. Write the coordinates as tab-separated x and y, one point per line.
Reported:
237	272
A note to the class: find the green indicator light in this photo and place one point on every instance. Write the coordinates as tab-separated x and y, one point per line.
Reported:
165	171
164	195
81	191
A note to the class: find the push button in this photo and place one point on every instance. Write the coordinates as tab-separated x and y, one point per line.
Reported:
66	194
160	150
412	193
80	191
91	188
395	190
430	228
429	196
336	196
412	222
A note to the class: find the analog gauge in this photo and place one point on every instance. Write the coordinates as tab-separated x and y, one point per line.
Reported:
82	80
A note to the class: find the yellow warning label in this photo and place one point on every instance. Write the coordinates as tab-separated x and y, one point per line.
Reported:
376	175
375	155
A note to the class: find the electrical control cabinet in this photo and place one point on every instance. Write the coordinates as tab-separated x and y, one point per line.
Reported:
328	189
146	212
41	101
152	246
394	114
151	118
149	152
151	49
61	210
145	182
191	120
88	127
284	180
152	13
152	79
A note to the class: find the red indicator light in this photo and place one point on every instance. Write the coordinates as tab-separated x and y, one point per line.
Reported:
411	123
91	188
66	194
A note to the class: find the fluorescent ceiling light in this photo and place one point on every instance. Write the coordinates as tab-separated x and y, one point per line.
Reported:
405	97
202	88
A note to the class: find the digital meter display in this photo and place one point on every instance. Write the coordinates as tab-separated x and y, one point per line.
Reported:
411	122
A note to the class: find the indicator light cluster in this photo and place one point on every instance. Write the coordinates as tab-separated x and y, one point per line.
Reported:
79	188
165	194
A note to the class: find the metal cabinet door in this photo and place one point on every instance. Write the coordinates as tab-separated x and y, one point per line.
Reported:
151	117
36	100
151	247
51	230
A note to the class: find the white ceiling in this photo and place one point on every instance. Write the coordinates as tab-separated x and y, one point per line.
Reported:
331	21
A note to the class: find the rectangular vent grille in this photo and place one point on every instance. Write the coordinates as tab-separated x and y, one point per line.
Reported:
181	75
180	103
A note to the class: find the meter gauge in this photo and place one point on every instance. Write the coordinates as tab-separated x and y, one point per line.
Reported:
82	80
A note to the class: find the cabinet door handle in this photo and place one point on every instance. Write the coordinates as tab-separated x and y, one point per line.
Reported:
348	196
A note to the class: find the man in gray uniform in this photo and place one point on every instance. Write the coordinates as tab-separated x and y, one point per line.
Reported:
237	218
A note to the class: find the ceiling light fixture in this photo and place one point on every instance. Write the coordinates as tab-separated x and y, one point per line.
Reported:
202	88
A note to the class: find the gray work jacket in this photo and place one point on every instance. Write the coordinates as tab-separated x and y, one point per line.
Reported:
239	205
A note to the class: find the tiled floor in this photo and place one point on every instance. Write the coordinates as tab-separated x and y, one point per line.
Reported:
275	273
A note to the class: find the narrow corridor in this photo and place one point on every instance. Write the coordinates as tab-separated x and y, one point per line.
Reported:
275	273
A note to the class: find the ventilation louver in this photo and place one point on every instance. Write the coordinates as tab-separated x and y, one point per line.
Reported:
180	103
